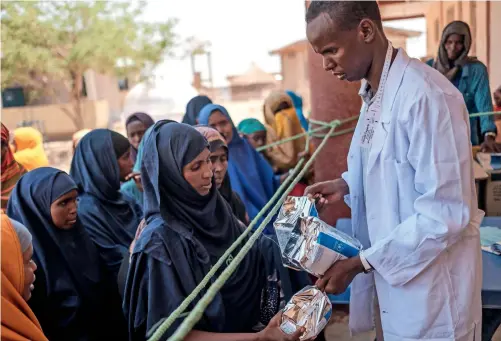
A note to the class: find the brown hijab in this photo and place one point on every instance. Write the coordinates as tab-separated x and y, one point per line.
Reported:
441	63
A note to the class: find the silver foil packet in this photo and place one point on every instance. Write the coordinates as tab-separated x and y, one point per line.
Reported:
314	246
292	209
309	308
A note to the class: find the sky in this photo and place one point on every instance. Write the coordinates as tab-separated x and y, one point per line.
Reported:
242	32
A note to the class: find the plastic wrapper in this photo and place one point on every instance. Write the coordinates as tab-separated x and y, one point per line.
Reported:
309	308
292	209
306	242
314	246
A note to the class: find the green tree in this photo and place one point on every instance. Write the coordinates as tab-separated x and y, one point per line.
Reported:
45	43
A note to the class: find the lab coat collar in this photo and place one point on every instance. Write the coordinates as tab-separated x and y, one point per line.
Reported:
395	76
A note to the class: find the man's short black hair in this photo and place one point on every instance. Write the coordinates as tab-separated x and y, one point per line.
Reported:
347	14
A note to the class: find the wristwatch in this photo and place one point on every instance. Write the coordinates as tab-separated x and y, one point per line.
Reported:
367	266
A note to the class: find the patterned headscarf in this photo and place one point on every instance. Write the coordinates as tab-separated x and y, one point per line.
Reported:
11	169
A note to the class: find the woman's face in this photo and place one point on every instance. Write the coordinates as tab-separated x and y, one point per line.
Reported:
198	173
221	123
125	164
219	160
454	45
135	132
29	273
257	139
64	210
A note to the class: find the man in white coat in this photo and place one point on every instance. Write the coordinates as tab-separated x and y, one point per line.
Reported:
409	184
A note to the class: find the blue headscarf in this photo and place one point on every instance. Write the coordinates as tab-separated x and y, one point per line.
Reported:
193	109
129	187
298	105
251	175
110	217
73	297
185	235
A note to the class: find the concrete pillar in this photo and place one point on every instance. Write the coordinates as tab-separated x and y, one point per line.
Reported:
332	99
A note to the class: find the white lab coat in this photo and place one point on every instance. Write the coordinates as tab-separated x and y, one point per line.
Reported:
421	223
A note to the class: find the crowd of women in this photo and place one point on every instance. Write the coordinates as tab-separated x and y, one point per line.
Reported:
111	249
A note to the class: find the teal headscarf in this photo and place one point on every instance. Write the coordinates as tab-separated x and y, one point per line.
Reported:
250	126
129	187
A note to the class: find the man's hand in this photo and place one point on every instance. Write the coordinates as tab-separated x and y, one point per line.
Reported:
490	145
327	192
339	276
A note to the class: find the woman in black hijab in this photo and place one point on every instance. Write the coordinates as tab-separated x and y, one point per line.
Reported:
189	226
219	158
101	161
193	109
75	297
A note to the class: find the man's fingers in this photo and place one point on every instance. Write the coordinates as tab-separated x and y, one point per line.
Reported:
321	283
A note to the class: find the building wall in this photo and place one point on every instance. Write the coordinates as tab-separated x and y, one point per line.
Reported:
494	44
56	123
295	74
332	99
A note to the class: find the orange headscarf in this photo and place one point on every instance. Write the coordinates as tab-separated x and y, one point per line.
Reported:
11	170
29	148
281	125
18	321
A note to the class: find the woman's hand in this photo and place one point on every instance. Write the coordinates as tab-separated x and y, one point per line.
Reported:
136	176
272	332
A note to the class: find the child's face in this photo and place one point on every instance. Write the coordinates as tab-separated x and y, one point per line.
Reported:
257	139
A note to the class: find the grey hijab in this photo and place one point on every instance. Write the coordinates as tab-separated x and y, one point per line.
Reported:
441	63
23	234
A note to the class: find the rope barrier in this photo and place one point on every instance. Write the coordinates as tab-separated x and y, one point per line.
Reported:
197	312
325	125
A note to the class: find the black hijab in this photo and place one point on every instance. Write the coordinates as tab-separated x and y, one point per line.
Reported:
171	147
111	218
185	235
193	109
74	295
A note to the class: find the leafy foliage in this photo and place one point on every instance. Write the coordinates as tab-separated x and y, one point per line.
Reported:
52	42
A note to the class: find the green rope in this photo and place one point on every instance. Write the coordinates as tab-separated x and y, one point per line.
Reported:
292	138
489	113
324	125
197	312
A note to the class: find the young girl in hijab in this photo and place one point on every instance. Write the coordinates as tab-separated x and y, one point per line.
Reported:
29	151
193	109
75	296
101	161
251	175
189	226
18	274
219	159
136	125
11	169
133	187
